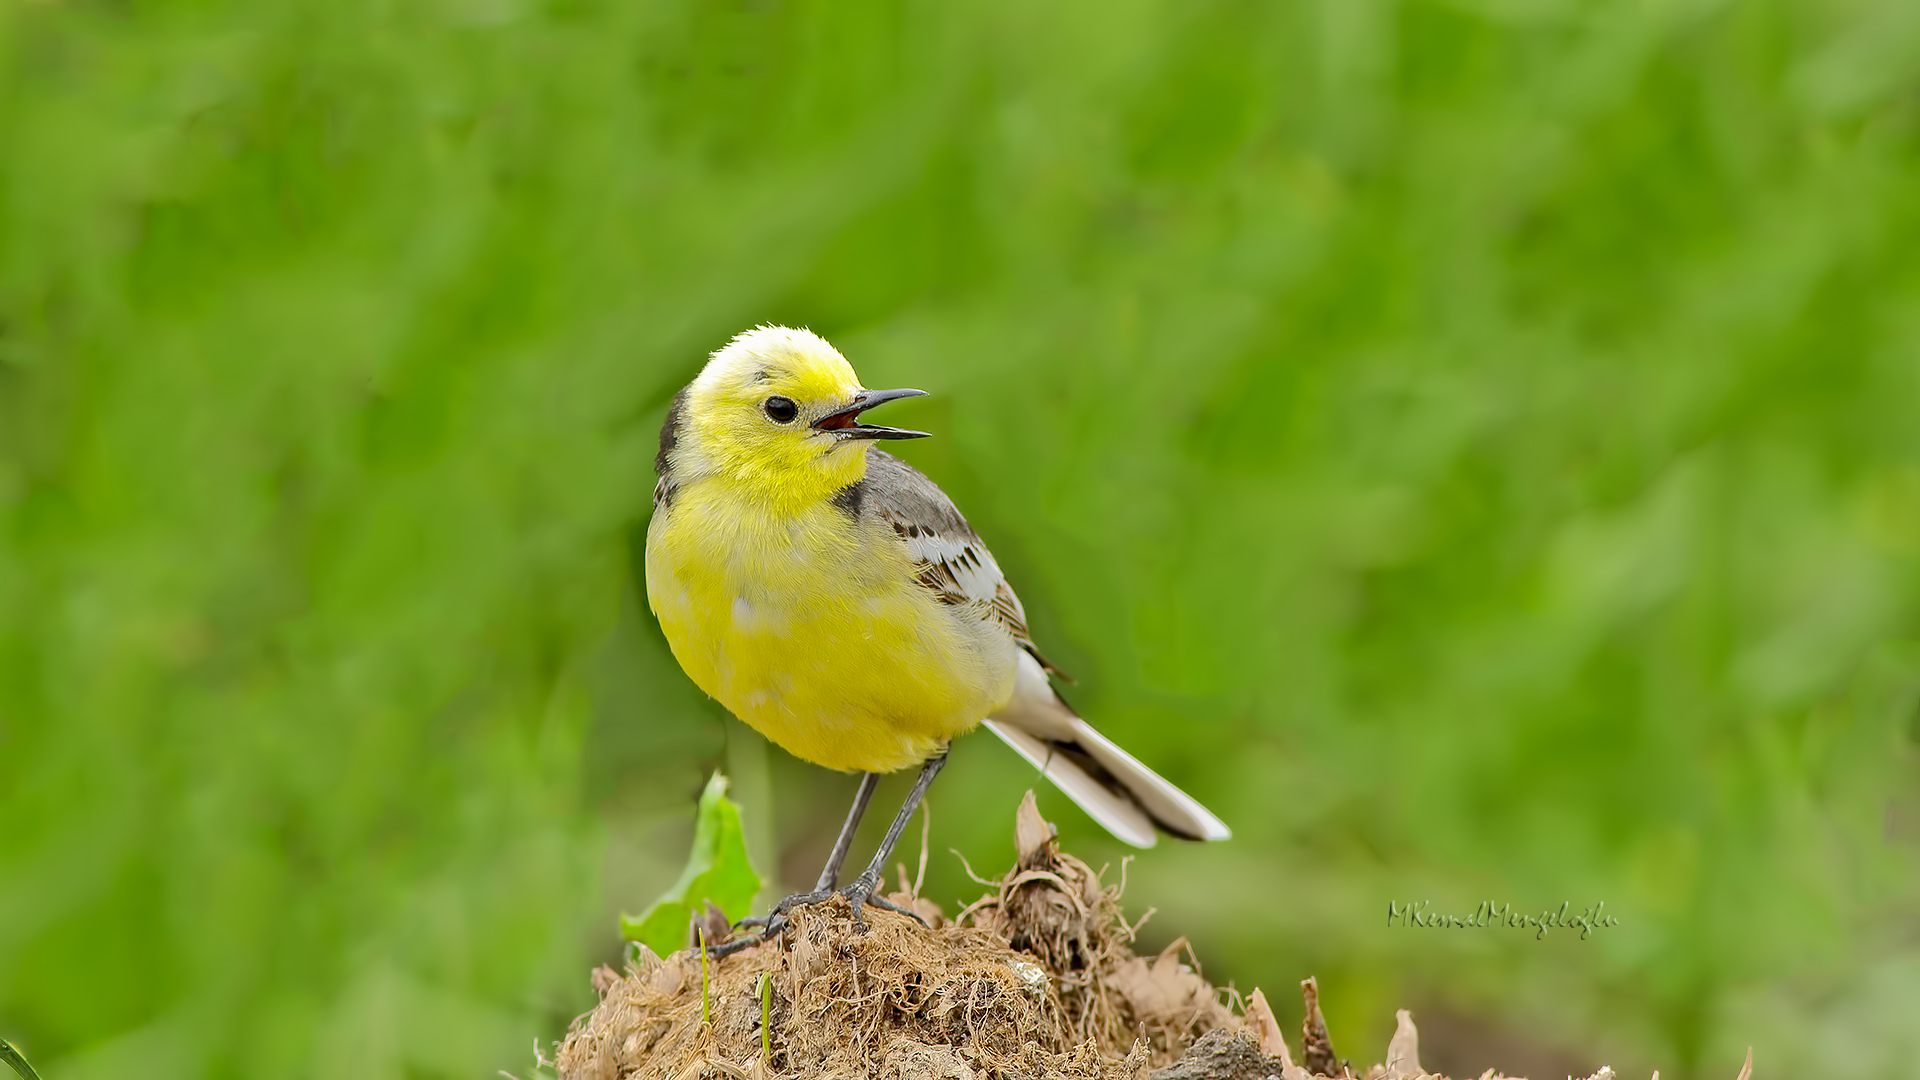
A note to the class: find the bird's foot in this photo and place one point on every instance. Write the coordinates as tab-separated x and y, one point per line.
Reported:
859	894
779	913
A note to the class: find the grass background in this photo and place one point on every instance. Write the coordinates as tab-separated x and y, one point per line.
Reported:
1470	444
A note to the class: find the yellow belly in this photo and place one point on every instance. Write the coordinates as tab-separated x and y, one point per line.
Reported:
814	632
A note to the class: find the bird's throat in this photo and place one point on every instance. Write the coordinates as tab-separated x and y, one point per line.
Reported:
794	485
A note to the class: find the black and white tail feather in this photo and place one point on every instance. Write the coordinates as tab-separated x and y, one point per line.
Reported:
1117	791
1127	798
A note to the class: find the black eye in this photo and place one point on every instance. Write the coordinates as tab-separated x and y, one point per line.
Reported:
781	410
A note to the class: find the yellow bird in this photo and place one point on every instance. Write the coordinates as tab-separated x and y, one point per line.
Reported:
831	597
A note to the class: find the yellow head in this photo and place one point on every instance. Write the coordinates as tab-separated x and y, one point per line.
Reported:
777	411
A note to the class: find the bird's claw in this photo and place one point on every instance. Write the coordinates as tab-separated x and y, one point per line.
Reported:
861	893
728	948
775	922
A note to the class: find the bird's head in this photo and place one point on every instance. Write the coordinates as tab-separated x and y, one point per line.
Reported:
779	410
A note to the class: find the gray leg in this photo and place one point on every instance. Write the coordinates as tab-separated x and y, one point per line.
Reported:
861	891
830	876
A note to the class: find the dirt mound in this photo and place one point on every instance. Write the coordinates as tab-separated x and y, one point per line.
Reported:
1036	979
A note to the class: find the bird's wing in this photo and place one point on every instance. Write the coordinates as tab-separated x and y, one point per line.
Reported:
952	562
950	559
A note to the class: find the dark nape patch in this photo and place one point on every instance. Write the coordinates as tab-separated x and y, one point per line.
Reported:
849	499
670	432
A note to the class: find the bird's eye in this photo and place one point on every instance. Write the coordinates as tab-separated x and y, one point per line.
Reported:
781	410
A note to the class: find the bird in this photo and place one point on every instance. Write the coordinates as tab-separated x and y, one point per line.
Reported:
832	597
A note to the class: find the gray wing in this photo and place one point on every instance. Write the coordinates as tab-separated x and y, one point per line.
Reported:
950	559
952	563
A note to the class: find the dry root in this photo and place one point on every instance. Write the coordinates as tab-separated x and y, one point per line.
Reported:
1037	979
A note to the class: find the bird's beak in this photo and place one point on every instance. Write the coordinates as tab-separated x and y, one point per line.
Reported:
844	422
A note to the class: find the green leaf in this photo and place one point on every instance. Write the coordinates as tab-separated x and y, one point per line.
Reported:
12	1057
717	869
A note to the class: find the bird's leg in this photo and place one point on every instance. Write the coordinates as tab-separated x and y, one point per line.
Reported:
861	892
830	874
862	889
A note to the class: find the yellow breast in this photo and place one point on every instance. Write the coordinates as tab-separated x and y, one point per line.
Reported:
809	627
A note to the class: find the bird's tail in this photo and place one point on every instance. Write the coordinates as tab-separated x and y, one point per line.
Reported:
1108	783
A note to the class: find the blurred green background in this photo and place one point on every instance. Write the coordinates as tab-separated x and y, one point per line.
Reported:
1474	446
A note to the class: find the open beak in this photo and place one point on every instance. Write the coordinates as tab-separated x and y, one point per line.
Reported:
845	422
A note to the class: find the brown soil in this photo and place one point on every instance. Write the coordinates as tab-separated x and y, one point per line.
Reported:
1036	979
